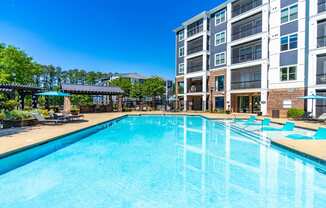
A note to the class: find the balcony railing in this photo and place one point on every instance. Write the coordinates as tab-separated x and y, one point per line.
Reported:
246	57
194	49
247	32
245	7
246	85
195	88
321	6
195	30
321	41
321	78
180	90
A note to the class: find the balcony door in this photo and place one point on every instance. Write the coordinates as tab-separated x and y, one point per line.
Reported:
243	104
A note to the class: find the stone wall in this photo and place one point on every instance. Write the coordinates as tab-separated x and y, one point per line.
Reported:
211	84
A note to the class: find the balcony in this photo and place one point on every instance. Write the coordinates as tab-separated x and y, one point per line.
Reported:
246	78
247	27
241	7
321	6
246	52
321	79
195	28
195	45
195	64
246	85
195	85
321	41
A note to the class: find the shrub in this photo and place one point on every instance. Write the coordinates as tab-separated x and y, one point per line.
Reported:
2	116
43	112
295	113
10	105
18	115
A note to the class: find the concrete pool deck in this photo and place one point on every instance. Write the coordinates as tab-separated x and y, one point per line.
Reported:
42	133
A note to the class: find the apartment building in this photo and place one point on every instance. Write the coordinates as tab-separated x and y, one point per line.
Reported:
253	56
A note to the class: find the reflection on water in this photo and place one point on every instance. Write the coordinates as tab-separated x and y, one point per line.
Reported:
221	167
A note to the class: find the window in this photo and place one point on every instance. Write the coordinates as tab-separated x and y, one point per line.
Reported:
219	83
220	17
289	42
288	73
181	52
219	58
181	35
219	38
289	14
181	68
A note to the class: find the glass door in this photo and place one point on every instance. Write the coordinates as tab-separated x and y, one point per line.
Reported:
243	104
256	104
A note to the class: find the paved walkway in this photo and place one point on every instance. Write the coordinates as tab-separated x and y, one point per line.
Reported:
39	134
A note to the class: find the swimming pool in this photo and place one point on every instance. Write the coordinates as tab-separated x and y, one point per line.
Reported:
163	161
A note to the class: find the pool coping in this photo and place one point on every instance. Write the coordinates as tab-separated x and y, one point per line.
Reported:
317	159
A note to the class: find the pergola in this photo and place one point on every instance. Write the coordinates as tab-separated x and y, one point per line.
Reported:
23	91
91	90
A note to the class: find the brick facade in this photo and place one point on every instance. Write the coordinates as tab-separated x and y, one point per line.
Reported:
211	85
277	96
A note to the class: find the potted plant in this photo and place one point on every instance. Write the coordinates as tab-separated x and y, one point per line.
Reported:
2	117
18	118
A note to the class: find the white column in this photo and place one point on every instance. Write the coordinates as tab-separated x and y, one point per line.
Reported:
264	65
204	79
185	70
228	58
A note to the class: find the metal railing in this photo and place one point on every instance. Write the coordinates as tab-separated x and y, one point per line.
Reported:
195	30
246	85
194	68
195	88
247	32
194	49
321	78
246	7
321	41
246	57
180	90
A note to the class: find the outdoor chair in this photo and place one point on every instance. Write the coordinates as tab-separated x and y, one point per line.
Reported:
320	134
42	120
321	118
288	126
264	122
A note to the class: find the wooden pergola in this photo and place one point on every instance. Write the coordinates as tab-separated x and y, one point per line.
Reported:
23	91
92	90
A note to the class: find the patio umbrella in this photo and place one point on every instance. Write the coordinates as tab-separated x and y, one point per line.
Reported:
313	97
54	93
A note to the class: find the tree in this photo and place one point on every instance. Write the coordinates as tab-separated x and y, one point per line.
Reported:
17	66
123	83
154	87
137	91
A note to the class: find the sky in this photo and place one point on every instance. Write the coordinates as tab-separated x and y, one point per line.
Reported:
100	35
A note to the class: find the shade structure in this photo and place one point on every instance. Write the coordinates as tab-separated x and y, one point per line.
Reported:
313	97
54	93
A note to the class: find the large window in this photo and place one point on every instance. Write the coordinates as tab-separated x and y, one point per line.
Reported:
181	35
288	73
289	13
219	38
181	68
321	69
289	42
321	6
321	33
219	83
220	17
219	59
181	52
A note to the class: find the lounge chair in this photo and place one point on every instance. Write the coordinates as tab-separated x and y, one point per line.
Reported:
250	120
42	120
321	118
288	126
264	122
320	134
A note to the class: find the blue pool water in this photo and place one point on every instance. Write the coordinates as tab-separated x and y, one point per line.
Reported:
164	161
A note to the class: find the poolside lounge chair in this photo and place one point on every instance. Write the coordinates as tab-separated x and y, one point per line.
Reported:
42	120
288	126
250	120
321	118
320	134
265	122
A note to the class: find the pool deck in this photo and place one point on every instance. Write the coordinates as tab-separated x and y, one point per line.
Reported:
25	137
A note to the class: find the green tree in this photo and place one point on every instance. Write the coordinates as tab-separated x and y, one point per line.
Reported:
17	66
123	83
137	91
154	87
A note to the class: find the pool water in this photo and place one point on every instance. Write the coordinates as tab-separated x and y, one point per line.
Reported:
165	161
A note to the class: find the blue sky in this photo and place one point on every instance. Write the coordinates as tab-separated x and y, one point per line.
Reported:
101	35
